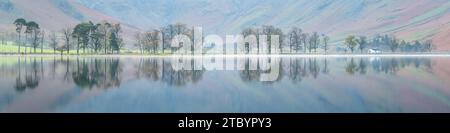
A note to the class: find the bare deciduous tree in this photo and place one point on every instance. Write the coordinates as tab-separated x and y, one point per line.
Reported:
53	41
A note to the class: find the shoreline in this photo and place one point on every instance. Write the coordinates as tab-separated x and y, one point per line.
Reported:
240	55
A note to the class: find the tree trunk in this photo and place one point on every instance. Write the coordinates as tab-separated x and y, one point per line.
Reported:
24	44
34	43
162	36
78	46
19	44
68	47
105	43
42	42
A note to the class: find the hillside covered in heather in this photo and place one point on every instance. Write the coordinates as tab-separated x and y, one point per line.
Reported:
408	20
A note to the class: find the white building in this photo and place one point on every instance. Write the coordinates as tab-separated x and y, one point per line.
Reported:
374	51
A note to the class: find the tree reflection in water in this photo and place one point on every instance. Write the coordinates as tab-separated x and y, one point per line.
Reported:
301	68
32	75
351	67
250	73
160	69
103	73
180	77
393	65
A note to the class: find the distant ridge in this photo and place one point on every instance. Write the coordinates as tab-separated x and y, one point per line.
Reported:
409	20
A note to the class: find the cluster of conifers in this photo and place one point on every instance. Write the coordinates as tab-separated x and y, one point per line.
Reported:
103	37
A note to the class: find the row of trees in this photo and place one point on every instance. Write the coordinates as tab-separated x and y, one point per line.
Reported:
387	43
264	30
34	36
85	73
299	40
158	40
149	41
103	37
98	37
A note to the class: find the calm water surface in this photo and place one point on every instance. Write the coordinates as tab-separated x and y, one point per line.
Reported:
266	84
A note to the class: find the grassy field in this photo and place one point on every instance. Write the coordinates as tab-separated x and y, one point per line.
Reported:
11	48
14	49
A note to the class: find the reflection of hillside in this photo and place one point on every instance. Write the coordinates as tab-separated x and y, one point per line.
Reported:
85	73
107	72
62	82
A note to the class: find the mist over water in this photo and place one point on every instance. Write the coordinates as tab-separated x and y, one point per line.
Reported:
224	84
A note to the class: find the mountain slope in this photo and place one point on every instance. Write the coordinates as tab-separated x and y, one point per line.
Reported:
52	15
409	20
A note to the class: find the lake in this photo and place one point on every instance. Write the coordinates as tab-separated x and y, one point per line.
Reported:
224	84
